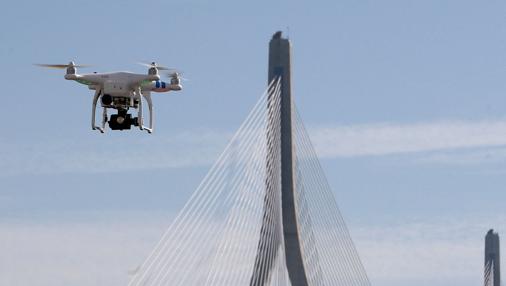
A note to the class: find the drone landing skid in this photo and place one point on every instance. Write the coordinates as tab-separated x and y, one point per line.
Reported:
99	129
147	97
98	92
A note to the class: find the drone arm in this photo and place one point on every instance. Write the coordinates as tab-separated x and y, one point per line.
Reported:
74	76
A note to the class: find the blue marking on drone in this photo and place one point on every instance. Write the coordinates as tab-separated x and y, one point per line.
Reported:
163	84
157	84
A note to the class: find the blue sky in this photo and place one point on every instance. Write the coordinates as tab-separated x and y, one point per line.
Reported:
404	101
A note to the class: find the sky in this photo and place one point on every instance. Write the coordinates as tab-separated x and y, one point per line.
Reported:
404	102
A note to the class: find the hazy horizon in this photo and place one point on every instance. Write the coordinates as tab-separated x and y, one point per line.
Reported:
404	102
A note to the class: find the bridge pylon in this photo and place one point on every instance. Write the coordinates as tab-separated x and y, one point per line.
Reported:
280	69
264	215
492	259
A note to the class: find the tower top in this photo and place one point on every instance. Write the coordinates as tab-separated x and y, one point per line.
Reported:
491	231
277	35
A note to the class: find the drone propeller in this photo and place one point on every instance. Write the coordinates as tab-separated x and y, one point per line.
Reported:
71	64
154	65
176	73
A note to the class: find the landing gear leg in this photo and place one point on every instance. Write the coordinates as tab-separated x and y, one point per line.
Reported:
147	96
98	92
104	118
140	119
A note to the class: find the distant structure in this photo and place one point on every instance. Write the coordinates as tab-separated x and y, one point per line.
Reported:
265	214
279	67
492	259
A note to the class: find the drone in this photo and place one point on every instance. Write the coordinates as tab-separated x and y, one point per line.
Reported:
122	91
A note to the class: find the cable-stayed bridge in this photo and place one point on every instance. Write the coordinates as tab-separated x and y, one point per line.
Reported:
264	214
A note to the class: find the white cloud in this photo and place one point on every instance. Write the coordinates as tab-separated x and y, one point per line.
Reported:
390	138
432	252
202	147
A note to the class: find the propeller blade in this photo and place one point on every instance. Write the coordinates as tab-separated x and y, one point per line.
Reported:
61	66
154	65
145	64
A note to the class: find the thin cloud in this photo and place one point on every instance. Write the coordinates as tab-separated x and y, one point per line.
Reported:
201	147
390	138
440	251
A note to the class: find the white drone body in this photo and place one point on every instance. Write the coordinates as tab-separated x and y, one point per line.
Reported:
122	91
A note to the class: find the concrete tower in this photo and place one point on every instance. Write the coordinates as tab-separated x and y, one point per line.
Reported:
279	67
492	257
